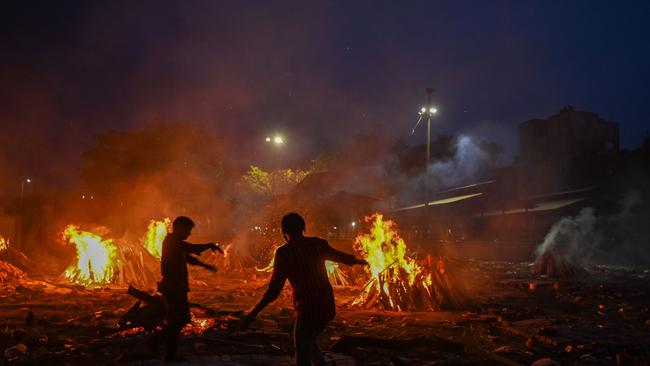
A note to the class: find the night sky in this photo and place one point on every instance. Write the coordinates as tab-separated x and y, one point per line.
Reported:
315	71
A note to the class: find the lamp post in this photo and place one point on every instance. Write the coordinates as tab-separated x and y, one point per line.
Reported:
22	186
22	211
428	111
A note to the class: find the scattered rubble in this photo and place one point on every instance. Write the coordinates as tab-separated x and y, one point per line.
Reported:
599	320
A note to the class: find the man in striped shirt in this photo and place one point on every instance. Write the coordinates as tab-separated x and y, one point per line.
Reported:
302	261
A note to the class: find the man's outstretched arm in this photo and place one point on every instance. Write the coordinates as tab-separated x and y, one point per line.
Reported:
276	285
196	262
199	248
334	255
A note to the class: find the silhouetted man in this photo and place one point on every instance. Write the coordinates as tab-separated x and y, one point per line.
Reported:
176	254
302	261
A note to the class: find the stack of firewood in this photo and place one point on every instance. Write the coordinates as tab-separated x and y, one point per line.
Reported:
10	273
432	289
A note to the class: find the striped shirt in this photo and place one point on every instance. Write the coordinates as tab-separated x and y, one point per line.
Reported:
302	262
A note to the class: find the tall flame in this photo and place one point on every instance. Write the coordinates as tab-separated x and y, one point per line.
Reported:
397	281
4	244
156	232
95	257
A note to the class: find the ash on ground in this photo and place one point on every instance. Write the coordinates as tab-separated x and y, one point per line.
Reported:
599	318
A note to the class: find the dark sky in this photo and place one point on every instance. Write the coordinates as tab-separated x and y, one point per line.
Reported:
316	71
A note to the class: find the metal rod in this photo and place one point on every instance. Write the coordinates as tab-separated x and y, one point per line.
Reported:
374	279
426	171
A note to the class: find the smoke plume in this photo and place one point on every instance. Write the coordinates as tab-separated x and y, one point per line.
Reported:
589	239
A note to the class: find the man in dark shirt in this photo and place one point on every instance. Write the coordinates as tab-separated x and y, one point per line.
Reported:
176	254
302	261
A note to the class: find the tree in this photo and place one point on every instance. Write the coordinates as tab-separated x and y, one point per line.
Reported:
156	171
266	183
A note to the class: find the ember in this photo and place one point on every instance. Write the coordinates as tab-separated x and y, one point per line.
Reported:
198	326
397	281
95	258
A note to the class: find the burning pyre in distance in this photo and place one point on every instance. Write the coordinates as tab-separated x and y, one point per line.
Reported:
101	261
156	232
4	244
95	258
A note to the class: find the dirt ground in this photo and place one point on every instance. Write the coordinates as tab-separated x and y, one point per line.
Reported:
602	318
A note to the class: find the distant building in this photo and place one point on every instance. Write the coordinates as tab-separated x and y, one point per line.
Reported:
566	162
569	150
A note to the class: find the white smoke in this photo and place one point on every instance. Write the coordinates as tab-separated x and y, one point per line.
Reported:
467	164
615	239
574	239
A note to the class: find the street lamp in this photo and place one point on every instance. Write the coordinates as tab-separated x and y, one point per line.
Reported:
427	112
22	186
276	140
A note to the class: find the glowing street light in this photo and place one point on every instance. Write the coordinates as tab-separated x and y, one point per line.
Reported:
431	111
427	112
277	139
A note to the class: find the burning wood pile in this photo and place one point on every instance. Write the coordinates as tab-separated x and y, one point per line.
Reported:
102	261
156	232
398	281
95	261
4	244
9	254
552	264
567	247
8	272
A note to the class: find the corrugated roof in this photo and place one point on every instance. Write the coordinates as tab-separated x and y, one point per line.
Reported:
542	206
443	201
448	200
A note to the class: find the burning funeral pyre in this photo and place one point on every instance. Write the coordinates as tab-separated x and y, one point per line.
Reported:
95	262
102	262
398	281
12	263
4	244
156	232
336	276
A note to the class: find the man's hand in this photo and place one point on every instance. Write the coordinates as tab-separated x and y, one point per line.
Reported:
207	266
216	247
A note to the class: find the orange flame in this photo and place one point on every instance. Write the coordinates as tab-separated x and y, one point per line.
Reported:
95	257
156	232
198	326
4	244
397	281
